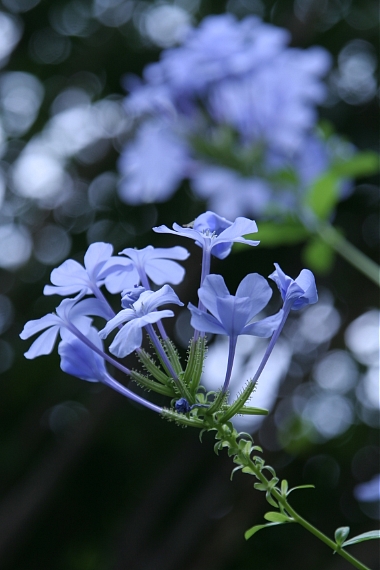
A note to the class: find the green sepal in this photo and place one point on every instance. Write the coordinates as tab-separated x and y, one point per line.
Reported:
250	411
341	534
194	367
181	419
149	365
146	382
250	532
238	404
272	516
173	356
370	535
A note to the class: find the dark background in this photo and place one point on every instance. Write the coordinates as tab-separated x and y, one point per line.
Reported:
88	480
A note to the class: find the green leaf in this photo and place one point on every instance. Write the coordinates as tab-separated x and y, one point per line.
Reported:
234	471
276	517
284	488
318	255
323	195
370	535
250	532
273	234
300	487
361	164
341	534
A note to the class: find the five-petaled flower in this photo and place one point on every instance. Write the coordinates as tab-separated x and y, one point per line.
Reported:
141	313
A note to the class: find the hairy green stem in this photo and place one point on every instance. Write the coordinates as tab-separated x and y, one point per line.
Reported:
350	253
244	459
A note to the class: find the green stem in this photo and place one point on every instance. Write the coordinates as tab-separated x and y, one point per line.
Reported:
300	520
350	253
242	458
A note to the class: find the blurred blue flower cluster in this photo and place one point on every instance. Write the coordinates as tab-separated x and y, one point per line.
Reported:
233	110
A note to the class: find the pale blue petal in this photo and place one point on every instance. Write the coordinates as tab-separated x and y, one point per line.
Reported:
265	327
257	289
154	317
91	306
212	288
37	325
123	316
81	361
176	252
43	344
202	321
151	300
69	278
127	340
162	271
95	257
232	314
240	227
126	278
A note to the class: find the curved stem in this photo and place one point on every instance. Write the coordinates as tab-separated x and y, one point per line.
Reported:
242	458
350	253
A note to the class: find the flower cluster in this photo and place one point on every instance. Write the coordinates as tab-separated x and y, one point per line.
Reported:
133	275
232	107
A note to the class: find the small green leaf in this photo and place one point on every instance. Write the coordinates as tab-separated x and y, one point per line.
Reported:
318	255
271	500
234	471
276	517
300	487
284	488
250	532
341	534
372	534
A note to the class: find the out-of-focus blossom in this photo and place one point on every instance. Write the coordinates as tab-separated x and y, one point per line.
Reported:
236	75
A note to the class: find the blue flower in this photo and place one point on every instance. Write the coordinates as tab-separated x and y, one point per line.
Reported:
296	293
157	263
214	233
232	315
81	361
71	315
142	313
71	277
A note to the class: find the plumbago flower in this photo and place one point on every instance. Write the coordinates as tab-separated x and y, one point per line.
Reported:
83	354
116	273
232	315
141	313
71	316
214	234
